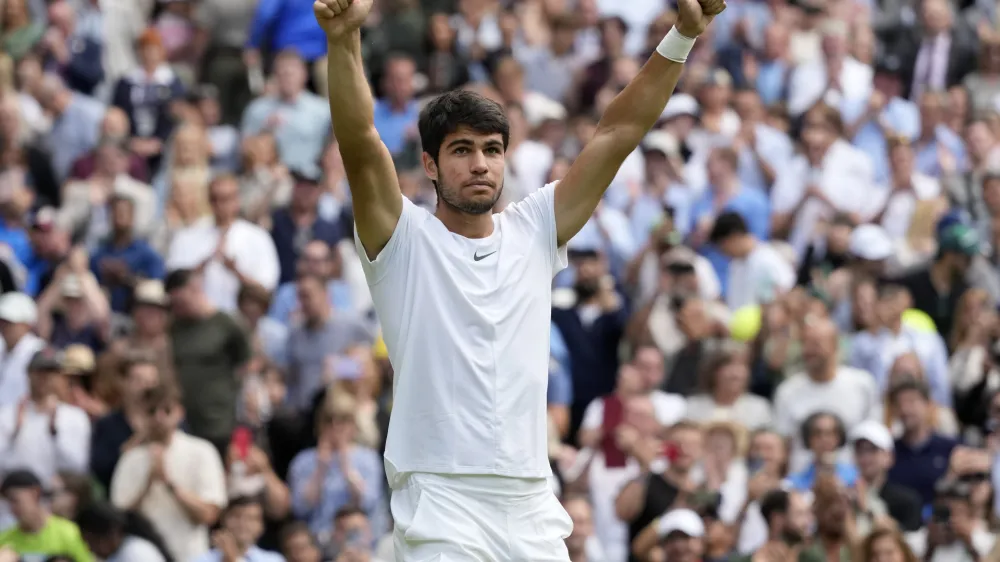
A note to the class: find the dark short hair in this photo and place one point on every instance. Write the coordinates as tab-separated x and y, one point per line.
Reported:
19	480
295	528
348	511
242	501
909	384
178	279
135	358
807	427
161	395
460	108
728	224
254	292
775	502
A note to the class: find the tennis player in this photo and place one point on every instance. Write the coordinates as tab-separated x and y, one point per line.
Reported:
464	298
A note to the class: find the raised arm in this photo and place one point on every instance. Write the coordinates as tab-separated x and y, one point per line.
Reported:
375	194
632	113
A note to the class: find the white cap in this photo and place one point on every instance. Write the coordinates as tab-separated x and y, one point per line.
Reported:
875	433
680	104
150	291
870	242
539	109
661	141
681	520
18	308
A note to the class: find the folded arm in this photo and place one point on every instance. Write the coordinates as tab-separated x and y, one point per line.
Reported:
375	193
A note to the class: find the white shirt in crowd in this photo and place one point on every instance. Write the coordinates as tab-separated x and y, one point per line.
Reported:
982	541
758	278
852	395
37	449
846	177
669	408
14	368
809	83
250	245
467	323
900	205
193	465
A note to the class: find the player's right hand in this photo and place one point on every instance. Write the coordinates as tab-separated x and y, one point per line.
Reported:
339	18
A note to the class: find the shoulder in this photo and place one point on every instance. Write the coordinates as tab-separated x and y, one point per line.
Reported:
790	385
196	449
855	376
303	460
141	549
74	413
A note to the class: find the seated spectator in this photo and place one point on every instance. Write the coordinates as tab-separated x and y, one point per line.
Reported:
824	435
242	526
352	537
19	33
228	251
885	543
316	258
336	472
725	377
79	363
908	367
114	127
123	258
188	152
120	536
76	123
679	534
298	543
125	427
73	309
38	533
922	455
75	56
42	433
18	316
265	183
70	494
301	217
174	479
758	273
953	534
873	452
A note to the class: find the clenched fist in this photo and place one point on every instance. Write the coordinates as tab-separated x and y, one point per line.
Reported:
339	18
693	16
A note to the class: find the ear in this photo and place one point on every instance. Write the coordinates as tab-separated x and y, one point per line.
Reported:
430	166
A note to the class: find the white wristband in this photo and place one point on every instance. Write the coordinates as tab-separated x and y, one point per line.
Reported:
675	46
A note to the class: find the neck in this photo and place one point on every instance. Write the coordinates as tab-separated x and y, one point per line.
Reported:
578	554
464	224
917	435
725	188
876	481
288	97
724	397
940	277
224	222
895	326
35	523
302	213
121	238
824	374
832	546
150	68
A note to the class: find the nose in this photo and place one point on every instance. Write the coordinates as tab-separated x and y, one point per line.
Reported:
477	163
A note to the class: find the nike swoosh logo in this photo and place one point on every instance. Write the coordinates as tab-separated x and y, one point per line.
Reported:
477	257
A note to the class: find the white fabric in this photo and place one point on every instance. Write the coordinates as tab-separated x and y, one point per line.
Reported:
809	83
759	278
35	448
605	485
852	395
191	464
900	205
466	323
14	368
930	71
846	177
459	518
250	245
669	408
674	46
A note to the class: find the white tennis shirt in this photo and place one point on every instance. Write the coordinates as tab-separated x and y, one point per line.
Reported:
466	322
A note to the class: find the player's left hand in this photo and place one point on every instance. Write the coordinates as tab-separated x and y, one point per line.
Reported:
695	15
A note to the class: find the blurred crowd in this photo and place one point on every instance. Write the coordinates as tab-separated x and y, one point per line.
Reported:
777	341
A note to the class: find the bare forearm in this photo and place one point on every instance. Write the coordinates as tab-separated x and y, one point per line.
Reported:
196	509
352	108
634	111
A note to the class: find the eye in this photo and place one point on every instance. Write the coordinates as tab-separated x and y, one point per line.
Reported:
493	150
461	150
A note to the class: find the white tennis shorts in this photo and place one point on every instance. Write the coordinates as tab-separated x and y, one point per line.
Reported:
441	518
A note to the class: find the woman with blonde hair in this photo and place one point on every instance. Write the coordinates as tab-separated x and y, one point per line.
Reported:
885	544
187	205
189	152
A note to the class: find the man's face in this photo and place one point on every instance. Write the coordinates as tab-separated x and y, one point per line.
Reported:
890	306
824	436
912	409
291	75
979	140
44	383
312	299
163	420
902	160
300	548
149	319
583	523
469	171
23	502
152	55
225	201
305	195
139	379
246	523
817	346
678	547
690	444
399	80
122	216
871	460
352	531
649	363
800	516
720	170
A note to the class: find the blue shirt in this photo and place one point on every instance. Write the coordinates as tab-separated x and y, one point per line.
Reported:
920	467
392	126
19	242
336	491
752	205
303	126
803	481
771	79
927	159
875	353
141	259
286	300
902	116
254	554
284	24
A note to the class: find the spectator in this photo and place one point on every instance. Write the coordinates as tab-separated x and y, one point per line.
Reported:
174	479
726	376
760	271
336	472
209	351
75	56
824	435
316	258
115	127
242	525
300	221
76	123
18	316
124	259
298	543
117	536
38	533
874	453
41	433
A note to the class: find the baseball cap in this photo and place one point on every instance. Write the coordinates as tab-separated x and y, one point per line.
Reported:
679	105
661	141
684	521
870	242
960	239
305	174
18	308
78	359
875	433
47	359
151	292
19	480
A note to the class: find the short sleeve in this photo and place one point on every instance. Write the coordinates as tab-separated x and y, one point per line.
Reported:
593	416
212	477
396	250
538	209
